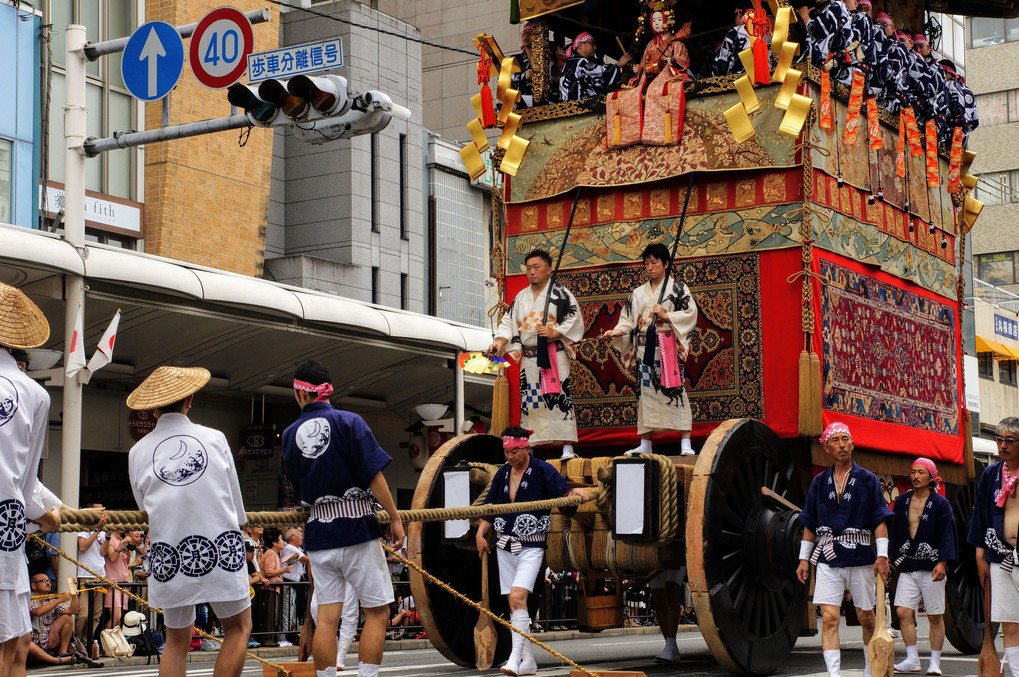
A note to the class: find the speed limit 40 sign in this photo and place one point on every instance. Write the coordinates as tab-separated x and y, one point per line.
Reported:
219	47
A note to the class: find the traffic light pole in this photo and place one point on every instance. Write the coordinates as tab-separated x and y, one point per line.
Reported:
74	285
92	147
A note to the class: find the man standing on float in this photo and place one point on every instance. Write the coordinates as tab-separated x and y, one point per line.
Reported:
546	395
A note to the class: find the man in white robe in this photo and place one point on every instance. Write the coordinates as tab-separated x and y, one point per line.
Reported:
24	410
659	409
550	414
183	475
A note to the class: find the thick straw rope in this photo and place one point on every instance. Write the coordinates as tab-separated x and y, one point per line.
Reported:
474	605
275	666
137	520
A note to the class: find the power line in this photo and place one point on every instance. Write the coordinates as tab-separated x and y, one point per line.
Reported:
333	17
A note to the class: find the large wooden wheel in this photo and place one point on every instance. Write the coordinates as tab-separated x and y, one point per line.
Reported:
964	611
448	622
742	547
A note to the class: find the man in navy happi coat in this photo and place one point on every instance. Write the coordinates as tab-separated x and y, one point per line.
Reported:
922	541
845	506
520	536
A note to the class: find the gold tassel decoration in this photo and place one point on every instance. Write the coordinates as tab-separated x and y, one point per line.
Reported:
816	396
508	130
617	130
747	58
478	134
500	405
804	422
795	115
472	158
739	123
514	155
785	61
748	98
668	128
789	85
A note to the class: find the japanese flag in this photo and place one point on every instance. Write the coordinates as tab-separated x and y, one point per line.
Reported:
76	350
104	351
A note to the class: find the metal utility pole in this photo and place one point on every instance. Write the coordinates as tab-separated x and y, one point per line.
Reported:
74	285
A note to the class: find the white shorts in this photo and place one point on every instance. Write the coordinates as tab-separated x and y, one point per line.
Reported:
178	617
676	576
830	582
362	565
519	571
14	618
916	585
1004	597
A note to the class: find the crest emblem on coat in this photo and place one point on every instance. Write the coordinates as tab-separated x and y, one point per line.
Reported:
312	437
13	526
179	460
8	400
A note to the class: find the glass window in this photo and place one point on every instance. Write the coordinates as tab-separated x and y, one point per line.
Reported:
1011	30
993	108
994	189
997	268
987	32
6	180
985	366
1013	106
1007	373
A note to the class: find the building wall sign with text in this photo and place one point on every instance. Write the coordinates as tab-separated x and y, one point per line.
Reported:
102	212
1007	327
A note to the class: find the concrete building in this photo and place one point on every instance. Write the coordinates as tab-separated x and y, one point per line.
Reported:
997	351
992	52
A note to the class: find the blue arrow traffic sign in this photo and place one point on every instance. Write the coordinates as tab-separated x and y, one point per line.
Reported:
153	60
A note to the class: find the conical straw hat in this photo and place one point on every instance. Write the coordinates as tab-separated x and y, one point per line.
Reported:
167	385
22	324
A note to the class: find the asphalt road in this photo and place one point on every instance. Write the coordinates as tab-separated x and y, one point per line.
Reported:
631	652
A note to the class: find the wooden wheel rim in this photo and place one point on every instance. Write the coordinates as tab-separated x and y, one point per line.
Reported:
449	641
732	643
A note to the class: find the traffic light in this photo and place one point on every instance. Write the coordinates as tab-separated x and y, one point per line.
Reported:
327	94
276	91
259	111
369	113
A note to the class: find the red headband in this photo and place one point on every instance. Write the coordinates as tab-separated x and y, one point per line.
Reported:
930	467
833	429
509	442
323	390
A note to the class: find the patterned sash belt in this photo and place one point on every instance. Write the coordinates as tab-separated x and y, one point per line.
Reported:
1008	563
509	544
903	553
826	542
532	351
332	509
514	544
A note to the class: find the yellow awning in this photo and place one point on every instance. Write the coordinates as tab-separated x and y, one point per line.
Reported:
1002	352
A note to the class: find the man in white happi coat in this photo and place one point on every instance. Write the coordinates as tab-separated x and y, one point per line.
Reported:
546	395
24	409
659	409
183	475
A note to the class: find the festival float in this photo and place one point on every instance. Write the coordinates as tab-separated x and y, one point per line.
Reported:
822	239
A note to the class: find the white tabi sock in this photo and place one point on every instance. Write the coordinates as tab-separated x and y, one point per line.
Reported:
866	663
342	646
833	661
911	654
1012	656
367	670
685	448
328	672
670	643
935	663
568	452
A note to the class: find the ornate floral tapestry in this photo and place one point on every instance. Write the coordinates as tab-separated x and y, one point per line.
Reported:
724	372
889	354
568	152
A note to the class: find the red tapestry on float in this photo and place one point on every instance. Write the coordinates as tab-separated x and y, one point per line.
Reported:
890	356
742	355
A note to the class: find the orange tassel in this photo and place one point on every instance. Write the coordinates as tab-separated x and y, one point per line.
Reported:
912	133
487	108
932	154
900	152
762	65
955	162
855	103
826	107
873	124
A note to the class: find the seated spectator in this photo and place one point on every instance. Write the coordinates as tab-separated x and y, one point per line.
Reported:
962	105
727	61
52	624
829	35
583	76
